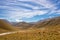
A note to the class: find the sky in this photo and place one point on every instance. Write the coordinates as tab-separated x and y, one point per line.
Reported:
28	10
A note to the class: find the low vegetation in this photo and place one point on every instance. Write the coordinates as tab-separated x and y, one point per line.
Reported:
35	34
46	30
5	26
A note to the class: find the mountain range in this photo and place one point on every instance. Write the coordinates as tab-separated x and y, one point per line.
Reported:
11	26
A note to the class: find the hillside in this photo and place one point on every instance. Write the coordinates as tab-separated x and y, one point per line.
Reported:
48	29
48	22
55	21
6	26
23	25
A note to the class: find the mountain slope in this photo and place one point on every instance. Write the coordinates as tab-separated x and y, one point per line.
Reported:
23	25
48	22
43	23
6	26
48	29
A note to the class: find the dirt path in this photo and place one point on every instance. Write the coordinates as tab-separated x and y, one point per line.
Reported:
10	33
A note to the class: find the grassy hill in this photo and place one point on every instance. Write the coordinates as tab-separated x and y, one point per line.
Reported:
6	26
48	22
37	34
48	29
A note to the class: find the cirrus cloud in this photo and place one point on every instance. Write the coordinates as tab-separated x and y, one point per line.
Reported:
18	9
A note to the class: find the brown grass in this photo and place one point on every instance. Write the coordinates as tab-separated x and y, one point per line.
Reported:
52	33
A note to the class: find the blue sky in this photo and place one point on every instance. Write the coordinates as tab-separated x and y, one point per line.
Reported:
29	10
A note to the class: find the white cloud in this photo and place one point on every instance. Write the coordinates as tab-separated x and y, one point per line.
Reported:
58	11
18	20
24	0
46	3
14	11
9	8
20	15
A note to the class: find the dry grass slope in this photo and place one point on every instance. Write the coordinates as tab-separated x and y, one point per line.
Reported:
48	22
50	31
5	26
37	34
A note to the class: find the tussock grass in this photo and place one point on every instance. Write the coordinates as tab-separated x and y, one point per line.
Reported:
6	26
46	30
35	34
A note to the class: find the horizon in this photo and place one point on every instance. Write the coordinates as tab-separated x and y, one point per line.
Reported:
32	22
29	10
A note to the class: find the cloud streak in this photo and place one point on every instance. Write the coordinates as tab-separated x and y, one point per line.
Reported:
18	9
